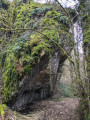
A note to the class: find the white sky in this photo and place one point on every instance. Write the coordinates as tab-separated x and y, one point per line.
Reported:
66	3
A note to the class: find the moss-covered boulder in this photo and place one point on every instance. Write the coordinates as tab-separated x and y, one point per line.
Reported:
31	60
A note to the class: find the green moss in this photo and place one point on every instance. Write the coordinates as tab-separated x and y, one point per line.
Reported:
84	16
34	42
18	61
27	59
29	47
27	69
10	77
86	45
87	23
52	14
86	40
86	37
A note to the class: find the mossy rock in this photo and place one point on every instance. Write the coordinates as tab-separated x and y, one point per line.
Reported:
29	47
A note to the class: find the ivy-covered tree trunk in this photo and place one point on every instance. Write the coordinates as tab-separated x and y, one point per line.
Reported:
83	92
86	44
84	9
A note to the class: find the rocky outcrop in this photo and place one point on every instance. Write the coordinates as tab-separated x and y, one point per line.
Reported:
37	85
31	62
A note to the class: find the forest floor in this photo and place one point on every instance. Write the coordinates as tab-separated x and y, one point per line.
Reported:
50	109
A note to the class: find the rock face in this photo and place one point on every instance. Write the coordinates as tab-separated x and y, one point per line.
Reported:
37	85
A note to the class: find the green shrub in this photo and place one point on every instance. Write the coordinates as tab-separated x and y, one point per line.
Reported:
2	109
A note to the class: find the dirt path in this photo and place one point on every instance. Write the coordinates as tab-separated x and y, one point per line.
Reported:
51	110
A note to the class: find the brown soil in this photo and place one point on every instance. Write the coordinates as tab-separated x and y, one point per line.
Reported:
63	109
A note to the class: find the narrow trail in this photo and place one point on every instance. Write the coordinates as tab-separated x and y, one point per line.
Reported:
64	109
